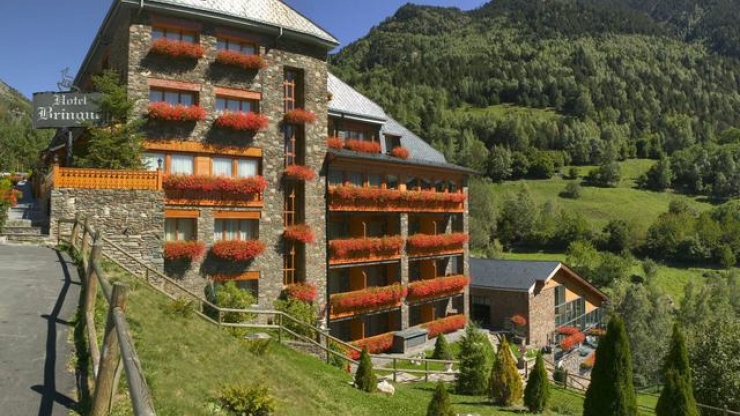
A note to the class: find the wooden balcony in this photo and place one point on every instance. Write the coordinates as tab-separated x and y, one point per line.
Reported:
436	245
436	288
366	300
351	198
365	250
214	191
79	178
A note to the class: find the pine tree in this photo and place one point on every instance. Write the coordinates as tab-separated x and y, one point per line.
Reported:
537	392
365	379
677	397
611	392
441	349
440	404
475	362
505	386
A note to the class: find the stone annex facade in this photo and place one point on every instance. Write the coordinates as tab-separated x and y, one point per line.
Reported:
336	195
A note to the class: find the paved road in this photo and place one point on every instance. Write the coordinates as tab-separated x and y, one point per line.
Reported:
39	291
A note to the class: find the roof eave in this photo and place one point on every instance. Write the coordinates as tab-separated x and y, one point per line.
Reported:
411	162
114	8
357	117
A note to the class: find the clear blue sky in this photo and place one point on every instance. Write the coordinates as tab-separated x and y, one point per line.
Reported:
43	37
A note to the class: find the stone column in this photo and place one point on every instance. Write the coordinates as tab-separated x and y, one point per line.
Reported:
404	222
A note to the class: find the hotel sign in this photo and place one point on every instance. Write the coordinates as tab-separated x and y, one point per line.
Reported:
65	109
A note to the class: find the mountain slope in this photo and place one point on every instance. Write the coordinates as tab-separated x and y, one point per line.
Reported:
19	141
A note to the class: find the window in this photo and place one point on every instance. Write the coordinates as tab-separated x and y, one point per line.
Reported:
246	168
336	177
235	229
235	104
173	34
172	97
391	182
337	229
355	178
353	134
440	186
179	229
289	89
374	180
411	184
236	46
222	166
181	165
426	184
151	160
559	295
391	142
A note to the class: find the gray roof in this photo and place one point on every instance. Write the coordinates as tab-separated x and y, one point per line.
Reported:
517	275
347	100
270	12
417	147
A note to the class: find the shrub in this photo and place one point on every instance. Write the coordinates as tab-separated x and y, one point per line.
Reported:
259	347
184	250
440	403
363	146
242	399
229	295
400	152
434	287
301	233
365	379
238	251
176	49
335	143
305	292
445	325
301	311
181	307
572	190
242	121
372	297
167	112
441	349
505	386
537	392
300	172
475	362
240	60
300	116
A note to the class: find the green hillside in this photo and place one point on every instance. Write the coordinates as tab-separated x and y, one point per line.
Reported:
19	141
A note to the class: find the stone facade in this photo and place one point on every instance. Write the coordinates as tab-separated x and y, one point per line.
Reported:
131	219
504	305
541	316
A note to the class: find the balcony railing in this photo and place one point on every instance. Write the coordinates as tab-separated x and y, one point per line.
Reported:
360	250
60	177
351	198
370	299
214	190
429	245
438	287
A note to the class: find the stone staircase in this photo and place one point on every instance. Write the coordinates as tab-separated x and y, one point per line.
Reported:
26	223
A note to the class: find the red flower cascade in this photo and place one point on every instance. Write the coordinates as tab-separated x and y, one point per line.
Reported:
240	60
434	287
383	198
570	342
375	345
362	146
242	121
335	143
400	152
568	330
301	233
364	247
300	172
305	292
300	116
238	251
231	187
176	49
168	112
373	297
184	250
429	244
518	320
445	325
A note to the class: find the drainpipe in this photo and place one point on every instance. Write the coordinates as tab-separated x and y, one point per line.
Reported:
279	36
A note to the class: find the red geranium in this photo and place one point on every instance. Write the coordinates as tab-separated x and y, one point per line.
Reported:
300	232
184	250
518	320
570	342
589	361
438	286
400	152
362	146
300	172
238	251
335	143
364	247
176	48
305	292
225	185
382	199
300	116
375	345
10	196
445	325
240	60
242	121
429	244
168	112
373	297
568	330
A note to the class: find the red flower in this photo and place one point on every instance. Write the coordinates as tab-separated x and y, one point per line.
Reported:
301	232
167	112
232	187
242	121
518	320
300	116
400	152
438	286
382	199
363	146
445	325
335	143
373	297
568	330
10	196
430	244
177	49
240	60
238	251
364	247
300	172
589	361
305	292
375	345
570	342
184	250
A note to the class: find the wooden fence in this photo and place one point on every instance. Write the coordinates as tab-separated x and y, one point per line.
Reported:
60	177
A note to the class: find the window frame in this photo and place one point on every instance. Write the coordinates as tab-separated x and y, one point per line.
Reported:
254	223
180	93
180	32
177	221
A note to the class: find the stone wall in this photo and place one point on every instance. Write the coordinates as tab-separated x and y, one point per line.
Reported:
542	316
131	219
504	304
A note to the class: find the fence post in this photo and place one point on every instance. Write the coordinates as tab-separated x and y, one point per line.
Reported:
565	379
75	230
426	370
91	296
724	411
104	386
85	245
280	328
394	369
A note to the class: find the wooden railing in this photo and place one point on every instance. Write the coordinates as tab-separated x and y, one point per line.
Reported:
60	177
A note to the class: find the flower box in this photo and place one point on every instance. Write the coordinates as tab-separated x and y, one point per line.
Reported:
300	116
371	298
572	341
242	121
400	152
222	185
305	292
353	198
365	248
238	251
166	112
375	345
240	60
299	173
568	330
589	362
420	244
335	143
176	49
362	146
301	233
183	250
518	320
445	325
436	287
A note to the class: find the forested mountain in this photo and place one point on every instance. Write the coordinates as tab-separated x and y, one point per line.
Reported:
621	79
19	142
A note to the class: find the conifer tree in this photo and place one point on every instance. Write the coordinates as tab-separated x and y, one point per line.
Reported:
441	349
475	362
611	392
537	392
505	386
677	397
365	379
440	404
